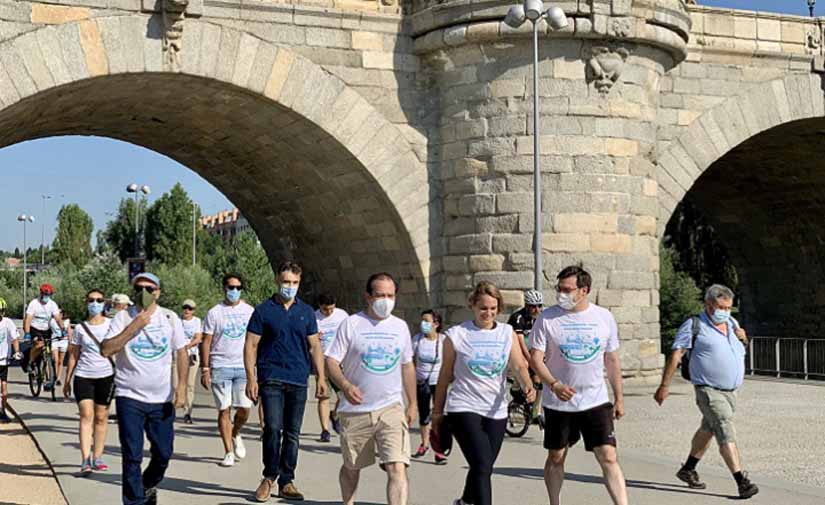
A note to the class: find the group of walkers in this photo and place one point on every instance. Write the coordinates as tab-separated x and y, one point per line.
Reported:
455	380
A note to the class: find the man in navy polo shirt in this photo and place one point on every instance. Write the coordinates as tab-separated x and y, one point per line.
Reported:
281	338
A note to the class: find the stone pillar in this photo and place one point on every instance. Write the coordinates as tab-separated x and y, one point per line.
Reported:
599	89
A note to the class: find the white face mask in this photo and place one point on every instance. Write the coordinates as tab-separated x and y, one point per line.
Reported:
383	307
566	301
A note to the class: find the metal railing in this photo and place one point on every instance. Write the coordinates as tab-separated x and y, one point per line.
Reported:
786	357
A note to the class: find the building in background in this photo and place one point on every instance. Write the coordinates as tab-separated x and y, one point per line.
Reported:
226	223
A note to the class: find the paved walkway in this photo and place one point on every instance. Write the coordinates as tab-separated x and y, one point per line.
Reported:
195	478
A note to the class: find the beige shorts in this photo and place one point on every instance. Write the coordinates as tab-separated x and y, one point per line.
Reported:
384	432
718	408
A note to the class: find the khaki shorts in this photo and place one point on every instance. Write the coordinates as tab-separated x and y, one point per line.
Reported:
717	409
384	432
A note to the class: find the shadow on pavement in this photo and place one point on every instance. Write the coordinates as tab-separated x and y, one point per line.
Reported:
184	486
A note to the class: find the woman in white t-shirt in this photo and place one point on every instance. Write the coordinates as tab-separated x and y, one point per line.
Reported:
60	343
476	356
428	350
93	382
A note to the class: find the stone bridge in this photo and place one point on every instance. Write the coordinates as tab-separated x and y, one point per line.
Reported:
359	135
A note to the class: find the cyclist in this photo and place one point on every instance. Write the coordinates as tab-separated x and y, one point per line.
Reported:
522	322
60	343
39	314
8	340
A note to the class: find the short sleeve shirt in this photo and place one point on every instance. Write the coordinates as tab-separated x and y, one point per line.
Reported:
42	313
371	353
718	359
143	364
328	325
190	328
8	334
227	324
91	365
428	356
283	351
574	344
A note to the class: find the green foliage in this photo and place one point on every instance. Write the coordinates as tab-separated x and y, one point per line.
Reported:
248	259
73	243
13	294
119	234
679	296
179	282
169	228
106	273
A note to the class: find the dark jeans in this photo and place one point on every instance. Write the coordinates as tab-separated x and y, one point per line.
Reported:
283	415
480	440
157	420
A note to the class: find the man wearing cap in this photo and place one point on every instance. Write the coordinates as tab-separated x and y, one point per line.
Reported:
192	331
36	324
120	302
142	339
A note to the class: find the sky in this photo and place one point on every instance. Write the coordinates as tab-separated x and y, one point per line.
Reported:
94	172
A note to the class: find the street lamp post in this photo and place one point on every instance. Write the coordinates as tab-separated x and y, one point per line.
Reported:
517	15
194	240
23	218
137	190
811	5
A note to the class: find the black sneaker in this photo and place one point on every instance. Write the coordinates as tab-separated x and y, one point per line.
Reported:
5	419
691	478
187	419
151	496
336	424
746	487
325	437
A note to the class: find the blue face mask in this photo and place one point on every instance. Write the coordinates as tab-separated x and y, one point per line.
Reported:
46	298
288	292
720	316
233	295
426	327
95	308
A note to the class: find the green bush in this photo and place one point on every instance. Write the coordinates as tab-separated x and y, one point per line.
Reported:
680	298
180	282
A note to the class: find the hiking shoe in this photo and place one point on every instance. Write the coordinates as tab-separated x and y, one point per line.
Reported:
99	465
691	478
336	424
264	490
238	447
290	492
422	450
58	382
187	419
150	496
325	437
440	459
228	459
86	467
746	487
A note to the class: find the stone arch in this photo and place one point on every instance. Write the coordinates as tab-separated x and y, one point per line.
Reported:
720	129
303	155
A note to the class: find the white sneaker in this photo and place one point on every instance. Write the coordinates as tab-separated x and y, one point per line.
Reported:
240	450
228	459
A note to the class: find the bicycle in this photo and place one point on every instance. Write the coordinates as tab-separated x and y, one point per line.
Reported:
520	411
42	372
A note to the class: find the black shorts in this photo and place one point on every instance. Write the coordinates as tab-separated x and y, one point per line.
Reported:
40	334
4	373
93	389
563	429
424	393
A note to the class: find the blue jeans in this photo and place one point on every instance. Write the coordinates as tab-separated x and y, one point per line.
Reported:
283	406
157	419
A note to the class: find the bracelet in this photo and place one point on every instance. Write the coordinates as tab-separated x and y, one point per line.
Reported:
204	369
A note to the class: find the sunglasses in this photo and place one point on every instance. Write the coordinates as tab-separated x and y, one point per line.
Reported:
187	307
234	288
96	300
149	289
535	306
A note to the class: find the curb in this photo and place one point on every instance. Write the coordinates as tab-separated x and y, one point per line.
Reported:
41	451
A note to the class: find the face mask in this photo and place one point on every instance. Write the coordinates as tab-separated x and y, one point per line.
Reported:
288	292
144	298
233	295
426	327
383	307
566	301
94	308
720	316
46	298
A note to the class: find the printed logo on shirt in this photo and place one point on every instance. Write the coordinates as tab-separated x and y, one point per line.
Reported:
235	326
147	348
383	353
488	358
579	343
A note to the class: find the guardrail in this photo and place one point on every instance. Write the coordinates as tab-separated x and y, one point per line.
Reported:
786	357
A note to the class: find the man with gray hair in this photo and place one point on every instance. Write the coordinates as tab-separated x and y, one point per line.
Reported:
715	344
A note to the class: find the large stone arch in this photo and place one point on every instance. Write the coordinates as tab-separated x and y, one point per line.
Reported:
303	155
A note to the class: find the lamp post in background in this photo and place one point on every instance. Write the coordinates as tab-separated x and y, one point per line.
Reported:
137	190
533	10
23	218
811	5
194	240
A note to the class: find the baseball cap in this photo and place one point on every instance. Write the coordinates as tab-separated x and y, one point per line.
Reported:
189	303
121	298
147	277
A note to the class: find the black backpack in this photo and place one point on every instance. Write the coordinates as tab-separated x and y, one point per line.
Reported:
695	321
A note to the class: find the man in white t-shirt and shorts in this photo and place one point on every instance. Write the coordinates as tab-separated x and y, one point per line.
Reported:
371	361
571	346
329	318
192	329
39	314
222	366
8	341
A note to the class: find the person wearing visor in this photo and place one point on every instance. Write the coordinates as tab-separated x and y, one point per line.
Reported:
222	365
192	327
37	323
142	340
8	341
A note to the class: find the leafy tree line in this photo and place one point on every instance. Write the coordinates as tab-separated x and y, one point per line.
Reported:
75	267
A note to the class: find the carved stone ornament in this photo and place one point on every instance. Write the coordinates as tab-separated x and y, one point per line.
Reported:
174	14
813	40
620	28
604	66
388	3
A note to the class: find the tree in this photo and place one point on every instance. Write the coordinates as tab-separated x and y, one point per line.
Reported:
169	228
679	297
17	253
179	282
120	232
248	259
73	243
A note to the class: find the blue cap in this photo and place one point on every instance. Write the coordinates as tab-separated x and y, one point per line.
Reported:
147	276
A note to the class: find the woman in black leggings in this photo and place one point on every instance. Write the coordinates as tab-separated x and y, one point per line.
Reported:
476	356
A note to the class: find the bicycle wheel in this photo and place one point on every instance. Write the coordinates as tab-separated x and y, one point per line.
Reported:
35	379
51	378
518	419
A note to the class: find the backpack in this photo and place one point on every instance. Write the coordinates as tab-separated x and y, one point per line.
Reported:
695	321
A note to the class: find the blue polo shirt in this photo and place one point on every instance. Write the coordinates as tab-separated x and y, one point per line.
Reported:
283	352
717	360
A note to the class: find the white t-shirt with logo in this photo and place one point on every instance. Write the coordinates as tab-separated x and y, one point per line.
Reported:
91	365
227	325
328	325
42	313
143	364
371	353
574	344
8	333
480	369
428	356
190	328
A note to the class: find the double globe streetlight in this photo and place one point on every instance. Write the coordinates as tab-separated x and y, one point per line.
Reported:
137	190
533	11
